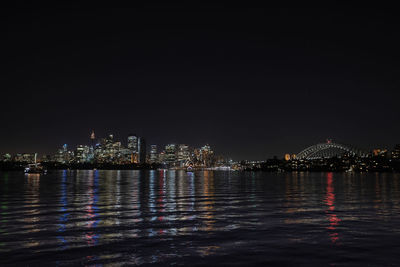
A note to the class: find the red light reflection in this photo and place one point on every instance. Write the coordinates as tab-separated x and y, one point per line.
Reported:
330	202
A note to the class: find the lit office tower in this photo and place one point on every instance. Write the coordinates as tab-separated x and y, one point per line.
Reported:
65	154
92	146
183	154
133	143
62	154
162	157
133	147
81	154
170	153
141	150
92	138
206	155
153	154
396	152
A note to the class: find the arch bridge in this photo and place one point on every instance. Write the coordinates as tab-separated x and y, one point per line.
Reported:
329	150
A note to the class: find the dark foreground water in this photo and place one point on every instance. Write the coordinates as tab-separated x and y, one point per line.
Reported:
205	218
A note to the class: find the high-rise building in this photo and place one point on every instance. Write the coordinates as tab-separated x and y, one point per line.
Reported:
63	155
153	154
183	154
380	153
133	146
82	154
396	152
25	157
90	156
108	150
170	153
92	138
206	155
141	150
162	157
6	157
133	143
46	158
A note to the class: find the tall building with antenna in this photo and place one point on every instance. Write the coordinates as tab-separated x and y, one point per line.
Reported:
92	146
92	138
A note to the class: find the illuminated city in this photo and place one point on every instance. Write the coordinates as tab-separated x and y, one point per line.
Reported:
109	153
200	134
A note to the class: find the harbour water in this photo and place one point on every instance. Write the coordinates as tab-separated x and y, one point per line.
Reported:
201	218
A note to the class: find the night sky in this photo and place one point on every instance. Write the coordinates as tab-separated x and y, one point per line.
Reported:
251	82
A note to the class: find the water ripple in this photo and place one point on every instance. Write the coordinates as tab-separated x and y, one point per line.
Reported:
209	218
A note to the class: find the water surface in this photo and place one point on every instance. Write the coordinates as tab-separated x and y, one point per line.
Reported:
202	218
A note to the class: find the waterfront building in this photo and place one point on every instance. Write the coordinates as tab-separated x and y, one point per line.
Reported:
90	156
124	156
137	146
25	157
183	154
396	152
108	150
162	157
220	161
153	154
380	153
79	154
82	154
206	155
92	139
6	157
196	157
133	143
170	154
141	150
63	155
46	158
59	156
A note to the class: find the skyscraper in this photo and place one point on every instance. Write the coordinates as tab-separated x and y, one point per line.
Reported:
183	154
153	154
81	154
170	153
206	155
92	146
92	138
133	143
133	147
141	150
396	152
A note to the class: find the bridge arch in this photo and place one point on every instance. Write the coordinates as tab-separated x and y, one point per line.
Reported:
329	150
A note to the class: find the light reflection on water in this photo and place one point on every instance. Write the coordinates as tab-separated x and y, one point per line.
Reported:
63	219
330	202
178	217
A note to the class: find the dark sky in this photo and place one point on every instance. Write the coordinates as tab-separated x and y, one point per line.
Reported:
251	82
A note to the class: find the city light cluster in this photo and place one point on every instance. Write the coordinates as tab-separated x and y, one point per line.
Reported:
110	151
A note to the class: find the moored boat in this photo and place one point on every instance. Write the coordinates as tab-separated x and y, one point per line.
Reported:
35	167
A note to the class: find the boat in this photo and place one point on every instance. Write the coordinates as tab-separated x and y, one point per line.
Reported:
35	167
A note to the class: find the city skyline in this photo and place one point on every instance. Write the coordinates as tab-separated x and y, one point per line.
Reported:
108	152
137	150
254	82
200	134
93	139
